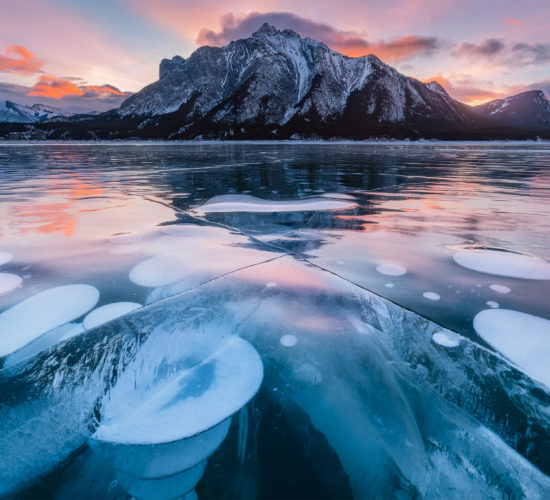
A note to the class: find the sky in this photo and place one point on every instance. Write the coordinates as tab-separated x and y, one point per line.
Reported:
82	55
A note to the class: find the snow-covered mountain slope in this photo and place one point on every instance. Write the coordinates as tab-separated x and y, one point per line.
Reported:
526	110
276	78
12	112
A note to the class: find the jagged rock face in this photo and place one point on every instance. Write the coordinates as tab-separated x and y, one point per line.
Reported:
12	112
527	110
275	77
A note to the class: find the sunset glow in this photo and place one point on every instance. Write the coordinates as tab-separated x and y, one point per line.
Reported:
477	51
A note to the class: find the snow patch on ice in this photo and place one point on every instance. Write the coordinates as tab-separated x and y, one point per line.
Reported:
523	338
391	269
9	282
38	314
500	263
107	313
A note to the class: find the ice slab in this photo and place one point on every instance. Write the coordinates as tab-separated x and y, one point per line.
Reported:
108	312
195	401
247	203
522	338
5	257
501	263
42	312
9	282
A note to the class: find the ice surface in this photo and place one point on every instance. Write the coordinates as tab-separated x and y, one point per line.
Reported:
33	317
522	338
247	203
391	269
502	263
9	282
500	288
107	313
5	257
196	400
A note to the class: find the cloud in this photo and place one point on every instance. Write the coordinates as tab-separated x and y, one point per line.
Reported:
513	21
471	91
351	43
498	52
55	88
20	60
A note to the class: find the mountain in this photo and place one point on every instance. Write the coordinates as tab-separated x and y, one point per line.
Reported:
18	113
277	85
277	79
529	110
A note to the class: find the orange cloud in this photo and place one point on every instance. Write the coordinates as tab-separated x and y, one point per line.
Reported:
513	21
403	48
103	90
54	87
23	62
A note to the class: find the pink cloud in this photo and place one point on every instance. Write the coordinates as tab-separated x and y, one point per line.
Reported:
21	61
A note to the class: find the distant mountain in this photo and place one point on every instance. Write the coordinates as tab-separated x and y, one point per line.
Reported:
526	110
276	79
12	112
277	85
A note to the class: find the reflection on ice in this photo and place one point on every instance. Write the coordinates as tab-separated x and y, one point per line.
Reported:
522	338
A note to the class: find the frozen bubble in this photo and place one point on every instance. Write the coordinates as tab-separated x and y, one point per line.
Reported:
391	269
247	203
217	387
33	317
446	339
389	285
160	270
493	304
288	340
5	257
522	338
499	288
431	295
107	313
9	282
271	284
340	262
503	263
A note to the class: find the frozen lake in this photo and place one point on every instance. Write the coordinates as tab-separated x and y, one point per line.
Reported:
274	320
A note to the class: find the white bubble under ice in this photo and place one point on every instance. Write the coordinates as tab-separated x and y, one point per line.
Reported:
446	339
389	285
271	284
500	288
501	263
523	338
493	304
9	282
107	313
42	312
5	257
288	340
247	203
391	269
431	295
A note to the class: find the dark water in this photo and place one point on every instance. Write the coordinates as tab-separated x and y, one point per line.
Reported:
357	399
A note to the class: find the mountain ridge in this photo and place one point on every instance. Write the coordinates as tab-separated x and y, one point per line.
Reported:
278	85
